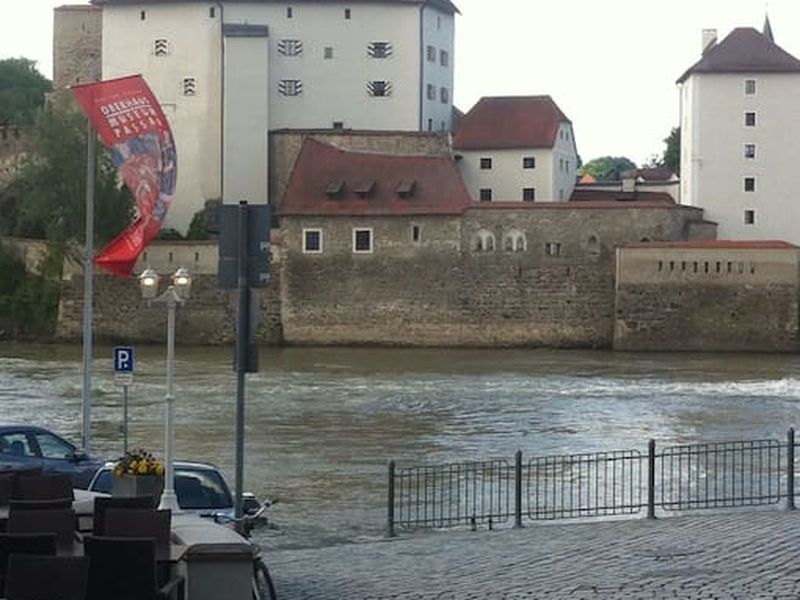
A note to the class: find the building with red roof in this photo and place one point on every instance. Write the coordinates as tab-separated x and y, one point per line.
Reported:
517	148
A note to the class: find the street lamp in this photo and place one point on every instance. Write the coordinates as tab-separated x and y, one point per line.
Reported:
175	294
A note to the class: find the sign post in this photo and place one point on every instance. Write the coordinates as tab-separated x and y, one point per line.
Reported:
123	375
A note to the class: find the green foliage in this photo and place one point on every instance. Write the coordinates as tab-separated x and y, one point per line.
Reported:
198	229
672	153
607	168
22	90
169	234
28	302
50	185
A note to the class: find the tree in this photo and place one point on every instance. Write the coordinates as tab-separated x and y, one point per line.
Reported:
50	186
607	168
22	91
672	153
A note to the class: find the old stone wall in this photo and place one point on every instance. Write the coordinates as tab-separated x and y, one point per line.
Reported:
77	44
285	145
707	299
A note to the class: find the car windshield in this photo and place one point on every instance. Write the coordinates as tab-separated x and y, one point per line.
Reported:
195	488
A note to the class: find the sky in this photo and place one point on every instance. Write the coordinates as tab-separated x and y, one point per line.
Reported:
611	66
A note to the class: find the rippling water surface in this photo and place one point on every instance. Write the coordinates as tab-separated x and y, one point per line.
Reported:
322	423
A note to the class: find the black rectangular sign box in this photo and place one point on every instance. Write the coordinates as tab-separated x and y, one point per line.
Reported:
259	219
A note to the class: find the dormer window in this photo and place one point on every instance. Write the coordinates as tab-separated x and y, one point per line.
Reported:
379	49
364	188
334	188
379	88
161	47
405	188
290	47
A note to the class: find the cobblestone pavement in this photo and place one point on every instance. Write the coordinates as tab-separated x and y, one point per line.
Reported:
745	556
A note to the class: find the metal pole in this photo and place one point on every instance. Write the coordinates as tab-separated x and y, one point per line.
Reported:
125	419
242	335
651	480
88	288
168	498
790	469
518	490
390	503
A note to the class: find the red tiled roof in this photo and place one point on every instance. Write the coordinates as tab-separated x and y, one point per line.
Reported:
584	195
510	122
437	186
745	50
717	244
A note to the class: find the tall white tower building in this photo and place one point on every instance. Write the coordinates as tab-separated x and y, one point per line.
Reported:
229	72
740	135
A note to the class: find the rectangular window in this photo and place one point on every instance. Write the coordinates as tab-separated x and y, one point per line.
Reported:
750	119
560	164
143	15
566	166
379	88
749	217
552	248
338	125
161	47
431	92
290	87
379	49
486	195
444	94
749	87
529	162
431	53
328	52
529	194
347	13
430	124
362	240
290	47
415	233
444	58
486	163
749	184
212	12
289	12
749	150
312	241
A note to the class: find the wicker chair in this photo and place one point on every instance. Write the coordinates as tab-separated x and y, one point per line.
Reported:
62	522
42	544
104	503
47	577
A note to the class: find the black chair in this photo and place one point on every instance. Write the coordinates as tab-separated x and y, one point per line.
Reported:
103	503
47	577
141	523
43	487
42	544
40	504
61	521
125	569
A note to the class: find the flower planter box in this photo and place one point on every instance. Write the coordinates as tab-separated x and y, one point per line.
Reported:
137	485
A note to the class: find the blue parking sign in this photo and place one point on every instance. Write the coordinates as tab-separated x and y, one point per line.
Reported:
123	359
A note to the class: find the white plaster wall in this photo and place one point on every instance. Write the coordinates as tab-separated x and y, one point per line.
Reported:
689	129
718	166
336	89
438	30
195	51
565	164
246	120
507	178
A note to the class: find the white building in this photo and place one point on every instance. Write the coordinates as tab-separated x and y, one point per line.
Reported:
229	72
519	148
740	138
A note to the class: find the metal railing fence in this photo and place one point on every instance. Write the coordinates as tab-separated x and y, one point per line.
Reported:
602	484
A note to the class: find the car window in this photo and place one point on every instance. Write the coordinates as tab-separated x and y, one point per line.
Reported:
15	444
197	489
103	481
52	447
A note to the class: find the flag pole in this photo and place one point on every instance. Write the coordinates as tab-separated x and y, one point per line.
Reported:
88	285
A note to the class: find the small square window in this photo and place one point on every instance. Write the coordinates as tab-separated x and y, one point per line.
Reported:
529	194
486	195
289	12
749	184
431	93
290	87
312	241
749	150
328	52
750	86
486	163
379	88
444	58
362	240
431	53
749	217
338	125
552	248
379	49
347	13
290	47
529	162
444	94
750	119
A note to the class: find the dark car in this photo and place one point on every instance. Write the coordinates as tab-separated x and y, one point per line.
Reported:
31	447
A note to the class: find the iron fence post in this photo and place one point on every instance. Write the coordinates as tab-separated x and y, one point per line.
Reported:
390	532
651	479
790	469
518	490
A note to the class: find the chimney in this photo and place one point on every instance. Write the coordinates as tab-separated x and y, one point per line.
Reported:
709	39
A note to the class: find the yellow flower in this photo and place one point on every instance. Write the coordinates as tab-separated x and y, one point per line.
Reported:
142	469
159	469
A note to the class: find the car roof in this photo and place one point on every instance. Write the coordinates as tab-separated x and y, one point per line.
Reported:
178	464
6	426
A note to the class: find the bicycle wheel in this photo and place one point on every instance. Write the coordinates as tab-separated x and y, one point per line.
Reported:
263	587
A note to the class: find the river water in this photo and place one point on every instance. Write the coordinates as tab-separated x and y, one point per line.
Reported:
322	423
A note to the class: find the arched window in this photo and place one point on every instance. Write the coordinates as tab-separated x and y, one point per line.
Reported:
593	245
514	241
483	241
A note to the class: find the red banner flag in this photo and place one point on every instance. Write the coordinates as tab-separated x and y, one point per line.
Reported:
132	125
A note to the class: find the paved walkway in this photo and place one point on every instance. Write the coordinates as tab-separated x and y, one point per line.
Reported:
745	556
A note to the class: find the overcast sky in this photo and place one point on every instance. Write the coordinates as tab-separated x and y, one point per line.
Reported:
611	66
